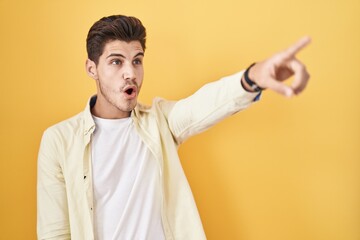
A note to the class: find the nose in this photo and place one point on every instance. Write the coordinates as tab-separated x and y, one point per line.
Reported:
129	72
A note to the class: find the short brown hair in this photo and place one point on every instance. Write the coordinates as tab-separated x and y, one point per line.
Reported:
115	27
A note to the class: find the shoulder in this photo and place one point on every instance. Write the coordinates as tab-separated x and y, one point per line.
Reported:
159	105
68	128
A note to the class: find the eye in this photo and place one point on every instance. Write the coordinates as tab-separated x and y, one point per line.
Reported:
115	62
137	62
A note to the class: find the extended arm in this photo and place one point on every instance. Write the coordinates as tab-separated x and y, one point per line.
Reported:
207	106
222	98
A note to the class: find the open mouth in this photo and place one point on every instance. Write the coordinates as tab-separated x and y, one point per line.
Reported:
130	91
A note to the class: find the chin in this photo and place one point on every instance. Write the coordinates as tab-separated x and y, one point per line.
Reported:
128	107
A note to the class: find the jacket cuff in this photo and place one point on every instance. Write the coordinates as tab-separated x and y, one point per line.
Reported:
236	84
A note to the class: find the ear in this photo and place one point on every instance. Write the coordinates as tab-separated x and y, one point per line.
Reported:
91	70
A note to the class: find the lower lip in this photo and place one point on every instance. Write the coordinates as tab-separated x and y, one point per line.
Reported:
130	96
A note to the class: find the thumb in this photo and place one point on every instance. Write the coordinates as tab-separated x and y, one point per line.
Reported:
279	87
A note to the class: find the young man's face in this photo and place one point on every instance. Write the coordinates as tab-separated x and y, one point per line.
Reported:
119	76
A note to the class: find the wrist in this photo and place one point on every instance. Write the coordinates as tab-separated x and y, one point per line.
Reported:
247	81
245	85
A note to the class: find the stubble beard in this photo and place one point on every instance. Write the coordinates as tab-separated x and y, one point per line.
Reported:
114	97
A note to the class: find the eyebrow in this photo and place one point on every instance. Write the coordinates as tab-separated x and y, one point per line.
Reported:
120	55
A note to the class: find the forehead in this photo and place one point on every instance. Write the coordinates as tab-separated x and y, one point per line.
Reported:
125	48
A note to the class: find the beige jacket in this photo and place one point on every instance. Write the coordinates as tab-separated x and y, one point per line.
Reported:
64	188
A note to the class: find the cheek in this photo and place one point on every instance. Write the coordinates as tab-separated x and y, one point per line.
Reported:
140	77
106	73
108	77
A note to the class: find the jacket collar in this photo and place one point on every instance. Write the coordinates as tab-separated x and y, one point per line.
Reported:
89	124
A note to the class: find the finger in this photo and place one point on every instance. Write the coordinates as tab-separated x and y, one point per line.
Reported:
291	51
301	76
279	87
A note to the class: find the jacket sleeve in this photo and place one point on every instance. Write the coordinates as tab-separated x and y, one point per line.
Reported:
209	105
52	208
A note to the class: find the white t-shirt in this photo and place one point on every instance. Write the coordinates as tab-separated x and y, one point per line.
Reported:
126	181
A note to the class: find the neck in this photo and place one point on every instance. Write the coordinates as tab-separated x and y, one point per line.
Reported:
104	109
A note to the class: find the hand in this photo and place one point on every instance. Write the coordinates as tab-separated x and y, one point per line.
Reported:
271	72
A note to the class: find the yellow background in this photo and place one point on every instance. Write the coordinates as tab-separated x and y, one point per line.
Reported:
283	169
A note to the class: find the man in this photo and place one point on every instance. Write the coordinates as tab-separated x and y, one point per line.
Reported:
112	171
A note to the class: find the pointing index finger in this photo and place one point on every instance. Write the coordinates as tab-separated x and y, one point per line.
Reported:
296	47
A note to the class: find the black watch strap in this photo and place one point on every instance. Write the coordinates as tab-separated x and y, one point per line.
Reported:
251	83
